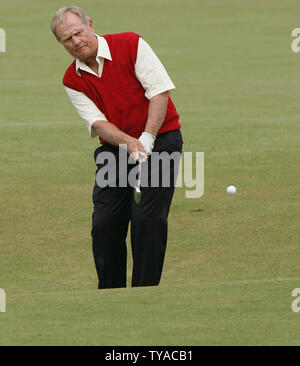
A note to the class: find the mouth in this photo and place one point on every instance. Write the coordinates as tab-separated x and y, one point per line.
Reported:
79	49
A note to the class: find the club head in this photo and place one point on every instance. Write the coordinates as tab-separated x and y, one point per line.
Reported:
137	195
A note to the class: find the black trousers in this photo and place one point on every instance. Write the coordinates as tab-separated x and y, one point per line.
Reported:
115	208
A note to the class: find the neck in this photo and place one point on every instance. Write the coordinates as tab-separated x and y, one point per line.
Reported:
91	60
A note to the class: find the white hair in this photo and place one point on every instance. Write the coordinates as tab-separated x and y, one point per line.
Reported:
61	13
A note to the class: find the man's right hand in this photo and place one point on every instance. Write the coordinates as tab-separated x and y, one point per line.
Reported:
136	150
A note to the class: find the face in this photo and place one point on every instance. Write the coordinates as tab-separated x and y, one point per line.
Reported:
78	39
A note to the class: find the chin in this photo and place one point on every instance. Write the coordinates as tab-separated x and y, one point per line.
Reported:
83	56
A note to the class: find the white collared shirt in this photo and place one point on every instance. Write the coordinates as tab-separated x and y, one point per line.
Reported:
148	69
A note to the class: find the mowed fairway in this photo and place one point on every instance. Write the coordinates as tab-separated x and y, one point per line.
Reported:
232	262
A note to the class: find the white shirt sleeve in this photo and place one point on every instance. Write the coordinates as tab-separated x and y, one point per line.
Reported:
150	71
86	108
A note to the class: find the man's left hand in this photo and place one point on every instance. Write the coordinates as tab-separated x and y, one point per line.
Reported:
147	140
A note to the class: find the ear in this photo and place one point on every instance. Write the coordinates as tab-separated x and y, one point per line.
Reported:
91	24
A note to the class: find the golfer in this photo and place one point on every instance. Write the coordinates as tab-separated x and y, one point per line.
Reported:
121	90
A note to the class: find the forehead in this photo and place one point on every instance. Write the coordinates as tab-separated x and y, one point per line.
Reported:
70	24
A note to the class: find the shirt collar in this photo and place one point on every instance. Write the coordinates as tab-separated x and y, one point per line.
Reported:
103	52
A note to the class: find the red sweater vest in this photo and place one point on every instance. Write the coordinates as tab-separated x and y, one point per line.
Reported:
118	93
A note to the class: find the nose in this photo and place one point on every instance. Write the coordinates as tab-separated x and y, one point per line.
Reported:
75	40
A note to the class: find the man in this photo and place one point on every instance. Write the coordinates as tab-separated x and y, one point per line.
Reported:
121	90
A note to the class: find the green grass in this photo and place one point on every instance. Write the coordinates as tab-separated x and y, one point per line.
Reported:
209	313
231	262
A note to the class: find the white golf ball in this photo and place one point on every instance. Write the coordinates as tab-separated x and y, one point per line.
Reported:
231	190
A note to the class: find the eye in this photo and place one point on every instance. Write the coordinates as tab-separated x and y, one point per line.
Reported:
67	39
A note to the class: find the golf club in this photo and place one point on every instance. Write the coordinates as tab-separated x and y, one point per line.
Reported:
137	190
